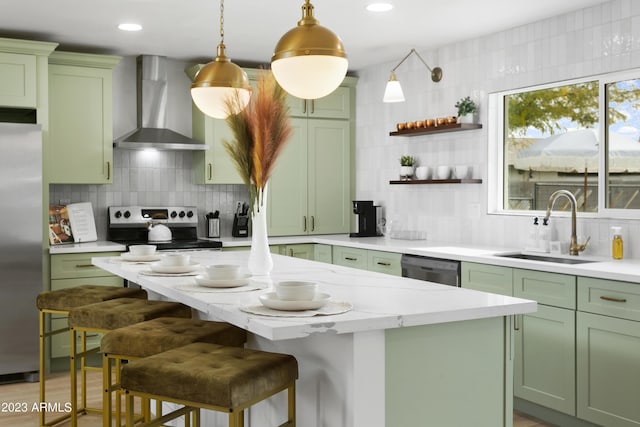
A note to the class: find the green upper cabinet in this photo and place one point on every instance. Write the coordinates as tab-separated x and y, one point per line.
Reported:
310	188
336	105
80	118
23	70
17	80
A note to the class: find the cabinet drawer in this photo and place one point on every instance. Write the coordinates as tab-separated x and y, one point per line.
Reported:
384	262
546	288
487	278
350	257
609	297
66	266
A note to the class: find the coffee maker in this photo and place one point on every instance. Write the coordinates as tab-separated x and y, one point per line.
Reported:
367	222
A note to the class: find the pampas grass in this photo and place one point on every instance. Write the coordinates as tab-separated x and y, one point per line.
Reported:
260	133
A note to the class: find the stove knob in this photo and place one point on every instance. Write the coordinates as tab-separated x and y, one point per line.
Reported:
174	214
118	214
127	214
181	214
189	214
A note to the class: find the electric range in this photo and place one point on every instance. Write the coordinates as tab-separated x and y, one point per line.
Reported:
128	225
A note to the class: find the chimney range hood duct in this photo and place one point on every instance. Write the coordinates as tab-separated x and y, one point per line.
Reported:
152	131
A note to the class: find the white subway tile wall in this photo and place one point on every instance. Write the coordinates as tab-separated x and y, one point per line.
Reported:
590	41
159	178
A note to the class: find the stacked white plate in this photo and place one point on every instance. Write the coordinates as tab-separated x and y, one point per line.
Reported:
128	256
204	280
159	267
271	300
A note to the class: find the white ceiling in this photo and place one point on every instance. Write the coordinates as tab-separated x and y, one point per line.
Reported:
189	29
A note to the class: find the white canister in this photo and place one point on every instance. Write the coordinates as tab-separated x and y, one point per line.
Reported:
422	172
443	172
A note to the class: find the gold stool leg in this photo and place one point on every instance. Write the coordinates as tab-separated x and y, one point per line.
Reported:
42	373
106	391
72	373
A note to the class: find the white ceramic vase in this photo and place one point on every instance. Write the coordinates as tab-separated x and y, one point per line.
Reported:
260	261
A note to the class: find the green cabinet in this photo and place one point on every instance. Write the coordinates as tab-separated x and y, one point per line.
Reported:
487	278
323	253
544	365
18	83
350	257
608	349
310	189
303	250
71	270
80	112
384	262
336	105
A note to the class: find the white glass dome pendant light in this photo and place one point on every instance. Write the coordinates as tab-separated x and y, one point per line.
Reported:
309	61
220	81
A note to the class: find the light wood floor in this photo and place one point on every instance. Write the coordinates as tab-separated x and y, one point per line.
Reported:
58	391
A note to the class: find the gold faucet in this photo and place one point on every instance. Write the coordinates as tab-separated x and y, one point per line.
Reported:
574	247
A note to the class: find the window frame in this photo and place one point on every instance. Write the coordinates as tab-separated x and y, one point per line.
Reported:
495	160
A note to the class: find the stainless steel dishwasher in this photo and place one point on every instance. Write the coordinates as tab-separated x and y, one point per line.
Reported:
429	269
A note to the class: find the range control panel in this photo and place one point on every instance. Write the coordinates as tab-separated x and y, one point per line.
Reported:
131	216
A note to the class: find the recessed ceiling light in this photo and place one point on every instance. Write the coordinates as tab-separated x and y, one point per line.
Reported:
379	7
130	27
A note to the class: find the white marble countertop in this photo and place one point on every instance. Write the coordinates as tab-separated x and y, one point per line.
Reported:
98	246
380	301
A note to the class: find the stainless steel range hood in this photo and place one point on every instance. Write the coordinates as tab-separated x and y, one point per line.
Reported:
152	131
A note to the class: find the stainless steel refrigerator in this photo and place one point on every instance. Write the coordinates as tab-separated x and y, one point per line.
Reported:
20	246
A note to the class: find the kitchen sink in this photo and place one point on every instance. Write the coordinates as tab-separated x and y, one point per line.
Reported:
544	258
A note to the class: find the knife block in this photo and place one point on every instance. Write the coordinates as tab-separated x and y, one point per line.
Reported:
240	226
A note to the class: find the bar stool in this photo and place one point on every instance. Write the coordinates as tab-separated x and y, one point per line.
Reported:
152	337
103	317
210	376
60	302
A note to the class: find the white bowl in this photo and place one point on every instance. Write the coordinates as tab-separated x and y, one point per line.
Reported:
175	259
462	171
296	290
223	271
142	250
443	172
422	172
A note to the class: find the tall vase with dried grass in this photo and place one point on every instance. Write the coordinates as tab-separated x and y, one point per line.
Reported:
260	133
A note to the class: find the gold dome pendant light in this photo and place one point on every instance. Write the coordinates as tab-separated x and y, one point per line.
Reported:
309	61
219	81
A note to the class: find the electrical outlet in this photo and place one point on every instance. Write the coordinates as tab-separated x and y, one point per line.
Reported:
65	201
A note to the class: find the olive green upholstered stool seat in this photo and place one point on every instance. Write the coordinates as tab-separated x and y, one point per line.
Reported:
59	303
152	337
210	376
103	317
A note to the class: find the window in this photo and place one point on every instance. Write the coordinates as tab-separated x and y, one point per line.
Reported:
551	137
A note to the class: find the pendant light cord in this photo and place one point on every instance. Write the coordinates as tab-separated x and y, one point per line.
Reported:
221	21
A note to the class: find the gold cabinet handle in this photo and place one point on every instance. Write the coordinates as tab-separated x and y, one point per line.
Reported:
613	299
108	170
210	169
304	106
304	223
386	264
313	223
516	327
290	252
84	265
313	106
348	258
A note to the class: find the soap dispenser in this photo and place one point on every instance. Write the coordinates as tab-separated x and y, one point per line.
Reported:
544	236
617	246
532	241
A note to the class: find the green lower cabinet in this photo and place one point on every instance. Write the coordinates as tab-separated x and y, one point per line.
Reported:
350	257
487	278
544	369
384	262
323	253
608	370
304	251
558	290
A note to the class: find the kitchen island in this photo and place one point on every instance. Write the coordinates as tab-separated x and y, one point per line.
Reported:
407	353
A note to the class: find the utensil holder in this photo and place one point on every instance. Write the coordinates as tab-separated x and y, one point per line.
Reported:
213	227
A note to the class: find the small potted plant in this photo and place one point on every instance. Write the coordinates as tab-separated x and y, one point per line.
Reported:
407	165
466	109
